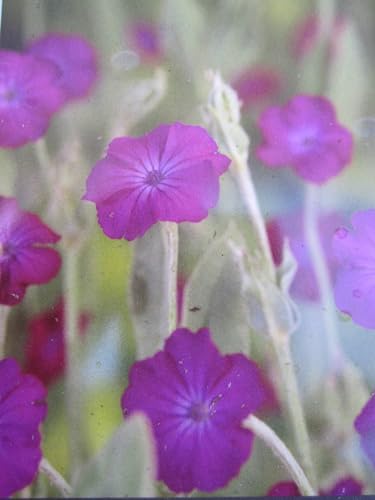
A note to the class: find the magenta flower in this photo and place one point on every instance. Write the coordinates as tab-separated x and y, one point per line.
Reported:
170	174
305	135
145	40
355	280
346	486
284	489
365	426
305	36
257	86
75	59
304	285
22	410
25	258
196	400
28	98
45	347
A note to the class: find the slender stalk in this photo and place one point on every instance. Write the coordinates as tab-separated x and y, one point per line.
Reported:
44	160
321	271
73	399
264	432
4	313
280	339
171	244
55	478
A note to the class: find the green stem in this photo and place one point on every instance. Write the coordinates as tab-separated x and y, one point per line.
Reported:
321	271
266	434
55	478
73	398
4	313
171	246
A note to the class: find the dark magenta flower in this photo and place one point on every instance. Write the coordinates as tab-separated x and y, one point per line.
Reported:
196	400
25	258
45	346
345	486
355	280
170	174
75	59
305	135
22	410
144	38
284	489
305	36
257	86
304	285
29	96
365	426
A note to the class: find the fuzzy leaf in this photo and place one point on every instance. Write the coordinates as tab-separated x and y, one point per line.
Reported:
125	467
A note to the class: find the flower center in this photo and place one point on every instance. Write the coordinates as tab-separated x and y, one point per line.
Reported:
199	412
7	95
154	177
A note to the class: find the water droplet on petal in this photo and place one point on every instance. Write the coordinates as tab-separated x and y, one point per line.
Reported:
341	233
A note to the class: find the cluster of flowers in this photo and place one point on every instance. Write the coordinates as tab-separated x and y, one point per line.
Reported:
195	398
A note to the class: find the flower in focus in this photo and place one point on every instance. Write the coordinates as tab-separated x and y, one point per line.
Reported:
257	86
22	410
75	59
365	426
284	489
45	346
305	135
170	174
305	36
25	258
304	285
28	98
196	400
355	280
144	38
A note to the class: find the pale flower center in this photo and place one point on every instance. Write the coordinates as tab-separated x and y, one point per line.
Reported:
154	177
199	412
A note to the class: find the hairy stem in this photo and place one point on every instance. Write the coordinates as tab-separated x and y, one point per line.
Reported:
270	438
55	478
171	245
321	271
4	313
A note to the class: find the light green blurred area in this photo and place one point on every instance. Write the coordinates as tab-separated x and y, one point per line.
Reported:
228	35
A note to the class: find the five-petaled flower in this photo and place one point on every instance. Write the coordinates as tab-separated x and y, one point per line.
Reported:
257	86
196	400
305	135
345	486
365	426
45	352
22	410
144	38
75	59
29	95
25	258
290	226
170	174
355	279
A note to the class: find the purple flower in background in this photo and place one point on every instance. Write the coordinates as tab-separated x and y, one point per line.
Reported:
305	135
355	280
22	410
145	40
196	400
170	174
257	86
75	59
29	96
304	285
365	426
345	486
24	258
284	489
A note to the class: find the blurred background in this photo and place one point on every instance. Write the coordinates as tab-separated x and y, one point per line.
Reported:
153	60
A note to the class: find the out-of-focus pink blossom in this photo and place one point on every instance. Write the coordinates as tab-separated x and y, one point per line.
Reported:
257	86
